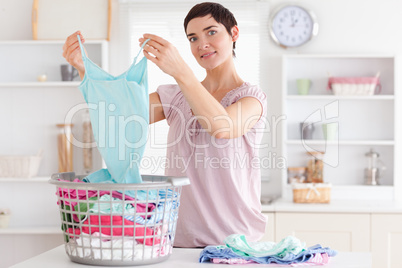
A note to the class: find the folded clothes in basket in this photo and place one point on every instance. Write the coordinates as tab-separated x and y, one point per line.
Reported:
92	211
116	226
107	248
76	194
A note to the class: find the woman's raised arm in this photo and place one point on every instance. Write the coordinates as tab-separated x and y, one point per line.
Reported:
155	108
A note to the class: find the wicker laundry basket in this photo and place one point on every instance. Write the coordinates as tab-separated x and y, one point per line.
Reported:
20	166
355	86
311	192
118	224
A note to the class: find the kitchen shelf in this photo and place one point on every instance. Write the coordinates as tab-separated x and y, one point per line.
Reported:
335	97
343	142
40	84
365	122
31	230
44	57
46	42
34	179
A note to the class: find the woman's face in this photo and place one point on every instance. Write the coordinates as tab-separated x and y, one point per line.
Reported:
210	43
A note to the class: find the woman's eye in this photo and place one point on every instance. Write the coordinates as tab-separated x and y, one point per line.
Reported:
212	32
192	39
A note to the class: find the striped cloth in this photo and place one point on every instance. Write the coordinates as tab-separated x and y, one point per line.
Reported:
166	210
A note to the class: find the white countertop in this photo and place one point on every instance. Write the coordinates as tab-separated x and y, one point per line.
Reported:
336	206
185	258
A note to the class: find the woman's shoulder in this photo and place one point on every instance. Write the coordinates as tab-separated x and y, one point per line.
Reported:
245	90
168	88
168	93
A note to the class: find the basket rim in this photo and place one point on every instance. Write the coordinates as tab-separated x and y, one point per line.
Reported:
163	181
307	185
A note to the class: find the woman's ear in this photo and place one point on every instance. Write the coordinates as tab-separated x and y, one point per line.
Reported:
235	33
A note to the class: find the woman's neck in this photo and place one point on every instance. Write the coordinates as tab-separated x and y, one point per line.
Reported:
224	77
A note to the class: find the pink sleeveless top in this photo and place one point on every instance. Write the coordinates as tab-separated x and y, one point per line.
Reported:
225	190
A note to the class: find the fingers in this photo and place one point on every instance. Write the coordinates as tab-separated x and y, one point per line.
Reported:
156	38
149	57
155	41
74	56
73	39
152	50
72	44
153	44
72	51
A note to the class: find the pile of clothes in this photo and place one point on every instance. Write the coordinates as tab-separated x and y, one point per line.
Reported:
290	251
111	225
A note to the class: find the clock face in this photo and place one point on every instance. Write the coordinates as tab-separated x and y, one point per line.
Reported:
292	26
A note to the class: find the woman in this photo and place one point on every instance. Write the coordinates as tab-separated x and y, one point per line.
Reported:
213	127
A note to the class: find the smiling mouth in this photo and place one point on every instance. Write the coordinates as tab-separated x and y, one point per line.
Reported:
209	54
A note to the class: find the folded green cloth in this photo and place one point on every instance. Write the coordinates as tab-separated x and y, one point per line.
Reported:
240	246
108	205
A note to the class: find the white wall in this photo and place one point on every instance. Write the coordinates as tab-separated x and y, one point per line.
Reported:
346	27
15	19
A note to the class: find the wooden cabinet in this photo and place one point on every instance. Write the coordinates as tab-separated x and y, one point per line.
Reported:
18	246
386	241
343	232
270	227
378	233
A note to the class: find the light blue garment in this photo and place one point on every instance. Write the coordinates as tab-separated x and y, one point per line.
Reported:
119	111
103	176
289	244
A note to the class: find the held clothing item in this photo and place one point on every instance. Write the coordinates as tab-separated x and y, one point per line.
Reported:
119	111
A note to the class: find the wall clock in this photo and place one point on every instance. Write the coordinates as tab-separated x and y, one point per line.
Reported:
293	26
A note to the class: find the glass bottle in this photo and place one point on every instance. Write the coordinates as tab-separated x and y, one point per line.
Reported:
87	140
296	174
315	167
375	167
65	147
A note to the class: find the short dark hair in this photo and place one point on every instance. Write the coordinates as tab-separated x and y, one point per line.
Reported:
217	11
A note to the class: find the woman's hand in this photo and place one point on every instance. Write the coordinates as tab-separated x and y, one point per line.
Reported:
164	55
72	52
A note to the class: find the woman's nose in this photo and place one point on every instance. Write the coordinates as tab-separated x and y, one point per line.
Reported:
203	44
